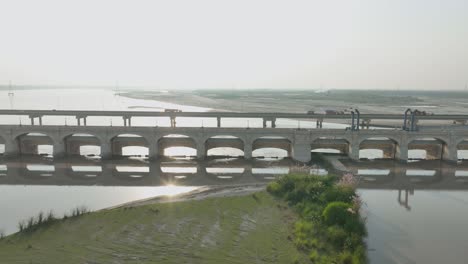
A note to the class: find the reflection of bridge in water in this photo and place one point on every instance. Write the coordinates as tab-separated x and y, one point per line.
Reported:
134	172
406	178
379	174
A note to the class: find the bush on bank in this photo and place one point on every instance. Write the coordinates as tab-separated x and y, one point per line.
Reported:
330	227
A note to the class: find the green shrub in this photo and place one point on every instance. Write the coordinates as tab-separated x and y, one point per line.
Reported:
274	188
359	255
354	224
338	193
336	213
329	226
345	257
314	255
310	211
304	232
337	236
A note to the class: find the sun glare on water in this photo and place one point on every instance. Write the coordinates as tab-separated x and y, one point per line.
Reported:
169	190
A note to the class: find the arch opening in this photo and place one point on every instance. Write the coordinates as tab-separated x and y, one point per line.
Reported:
378	148
80	144
462	150
129	145
177	146
271	147
35	144
2	146
225	151
89	150
372	154
224	145
427	149
132	151
328	145
270	153
327	151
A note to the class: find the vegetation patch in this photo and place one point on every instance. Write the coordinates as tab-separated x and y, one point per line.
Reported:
330	228
255	228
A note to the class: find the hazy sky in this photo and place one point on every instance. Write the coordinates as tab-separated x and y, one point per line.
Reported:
366	44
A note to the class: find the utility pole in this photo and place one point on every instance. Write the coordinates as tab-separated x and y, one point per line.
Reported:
11	95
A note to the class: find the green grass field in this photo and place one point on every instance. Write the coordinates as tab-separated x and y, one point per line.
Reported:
245	229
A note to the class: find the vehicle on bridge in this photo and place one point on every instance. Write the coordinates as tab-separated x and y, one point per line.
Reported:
334	112
422	113
172	110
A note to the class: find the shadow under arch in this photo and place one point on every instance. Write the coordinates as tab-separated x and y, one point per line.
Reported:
129	145
272	146
2	145
34	143
378	148
82	144
427	148
224	145
177	145
462	149
330	145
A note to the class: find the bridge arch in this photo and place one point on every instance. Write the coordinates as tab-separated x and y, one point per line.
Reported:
272	146
338	145
462	149
129	145
378	148
177	145
82	144
427	148
224	145
34	143
2	145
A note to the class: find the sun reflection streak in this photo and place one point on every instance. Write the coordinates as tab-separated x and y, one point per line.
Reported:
168	190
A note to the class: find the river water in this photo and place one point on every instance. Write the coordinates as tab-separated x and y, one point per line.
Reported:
418	221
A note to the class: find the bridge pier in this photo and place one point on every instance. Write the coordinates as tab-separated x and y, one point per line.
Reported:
78	120
450	152
319	123
106	150
201	150
11	148
127	120
247	150
273	122
353	152
301	151
59	149
153	151
401	153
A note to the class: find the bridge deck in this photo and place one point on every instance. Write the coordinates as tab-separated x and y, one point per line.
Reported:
81	113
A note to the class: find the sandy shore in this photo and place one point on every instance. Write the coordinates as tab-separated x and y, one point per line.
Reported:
199	194
247	103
